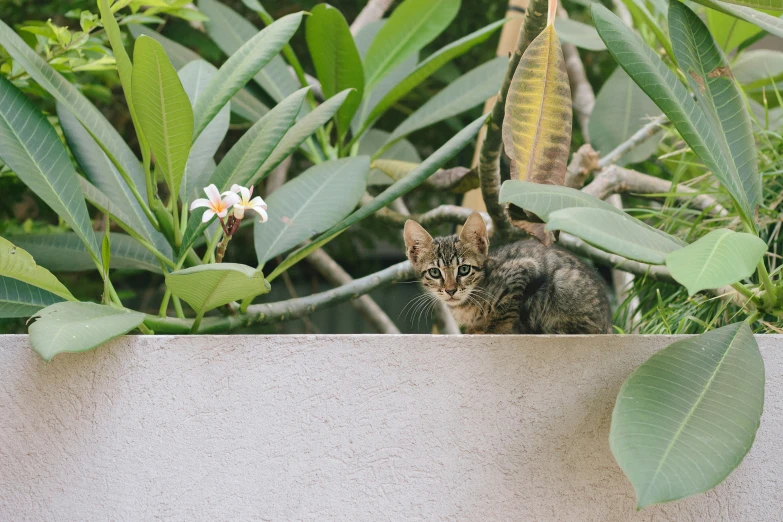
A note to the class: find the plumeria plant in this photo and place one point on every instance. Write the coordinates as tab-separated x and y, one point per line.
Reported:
148	202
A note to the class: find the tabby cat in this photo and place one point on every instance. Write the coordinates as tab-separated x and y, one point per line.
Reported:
524	287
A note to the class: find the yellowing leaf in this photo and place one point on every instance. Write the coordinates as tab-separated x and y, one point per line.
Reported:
537	123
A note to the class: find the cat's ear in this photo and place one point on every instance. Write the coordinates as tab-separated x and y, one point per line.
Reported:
416	240
474	234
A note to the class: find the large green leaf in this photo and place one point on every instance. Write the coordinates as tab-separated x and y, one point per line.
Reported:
164	110
708	73
371	97
621	109
78	327
248	155
63	252
18	264
194	77
411	26
433	62
769	23
435	161
230	31
643	17
686	417
336	60
105	177
617	233
309	204
662	86
241	66
758	67
773	5
542	200
76	103
298	133
469	90
243	103
29	145
18	299
579	34
206	287
720	258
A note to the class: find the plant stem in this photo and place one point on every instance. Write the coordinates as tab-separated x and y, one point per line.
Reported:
768	297
221	249
178	307
146	331
197	322
211	246
164	304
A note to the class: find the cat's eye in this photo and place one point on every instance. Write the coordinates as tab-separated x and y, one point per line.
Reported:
463	270
434	272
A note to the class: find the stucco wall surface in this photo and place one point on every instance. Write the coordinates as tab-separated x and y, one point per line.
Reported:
366	428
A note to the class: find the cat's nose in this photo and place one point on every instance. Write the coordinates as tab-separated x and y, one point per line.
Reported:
451	292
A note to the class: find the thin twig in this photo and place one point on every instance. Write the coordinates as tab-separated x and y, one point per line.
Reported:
639	137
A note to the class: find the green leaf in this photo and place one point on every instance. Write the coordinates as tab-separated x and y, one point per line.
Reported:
435	161
542	200
309	204
411	26
18	299
194	77
298	133
686	417
434	62
104	175
643	17
243	103
230	32
248	155
614	232
621	109
373	144
579	34
16	263
76	103
729	31
241	66
769	23
30	146
708	73
651	74
63	252
371	98
720	258
758	67
124	65
774	5
77	327
206	287
163	108
336	60
469	90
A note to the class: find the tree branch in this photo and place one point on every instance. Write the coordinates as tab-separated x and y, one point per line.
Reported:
367	307
285	310
640	136
614	179
439	215
444	321
372	11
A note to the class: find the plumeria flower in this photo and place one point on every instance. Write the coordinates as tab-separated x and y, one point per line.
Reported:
245	203
215	204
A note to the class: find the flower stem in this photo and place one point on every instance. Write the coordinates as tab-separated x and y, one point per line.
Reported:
221	249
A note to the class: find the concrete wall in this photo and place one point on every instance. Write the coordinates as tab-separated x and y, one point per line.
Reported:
343	428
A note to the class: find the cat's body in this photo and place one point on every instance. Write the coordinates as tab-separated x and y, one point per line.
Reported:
523	287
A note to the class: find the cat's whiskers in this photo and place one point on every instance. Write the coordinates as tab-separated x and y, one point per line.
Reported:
412	303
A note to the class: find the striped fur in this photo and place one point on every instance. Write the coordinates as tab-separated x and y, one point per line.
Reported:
523	287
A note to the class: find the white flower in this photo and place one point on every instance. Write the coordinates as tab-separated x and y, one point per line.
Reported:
215	205
245	203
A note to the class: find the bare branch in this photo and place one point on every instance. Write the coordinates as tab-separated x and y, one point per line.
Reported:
286	310
582	95
439	215
367	307
614	179
373	11
583	163
640	136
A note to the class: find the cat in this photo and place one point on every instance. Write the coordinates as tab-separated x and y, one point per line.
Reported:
524	287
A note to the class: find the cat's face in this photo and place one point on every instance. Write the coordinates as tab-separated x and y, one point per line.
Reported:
450	267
